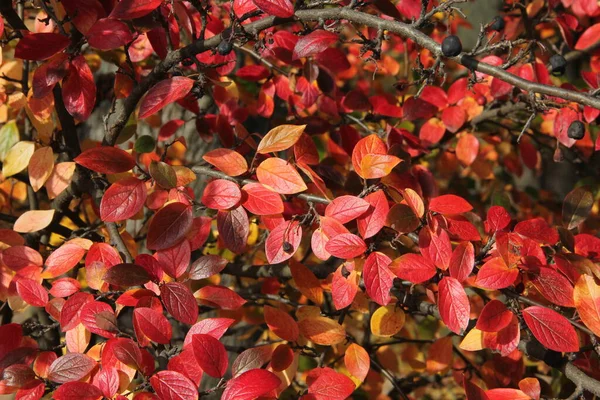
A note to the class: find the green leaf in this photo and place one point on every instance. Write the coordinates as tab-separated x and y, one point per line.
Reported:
9	136
577	207
144	144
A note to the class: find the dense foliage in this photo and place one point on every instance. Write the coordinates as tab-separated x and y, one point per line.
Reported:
308	199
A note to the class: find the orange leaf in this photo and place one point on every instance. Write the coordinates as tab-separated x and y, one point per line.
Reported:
281	176
280	138
357	361
323	331
41	165
587	302
387	321
229	161
375	166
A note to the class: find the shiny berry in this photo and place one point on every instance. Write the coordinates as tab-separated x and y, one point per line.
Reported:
451	46
558	64
497	24
576	130
224	47
287	247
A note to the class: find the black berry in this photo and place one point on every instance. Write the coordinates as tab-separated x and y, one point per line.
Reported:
224	47
576	130
287	247
497	24
451	46
558	64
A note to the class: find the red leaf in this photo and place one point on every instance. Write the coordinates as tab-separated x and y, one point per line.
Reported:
497	219
186	364
70	367
554	287
467	149
221	194
104	253
77	391
563	120
346	208
260	200
171	385
71	310
346	245
108	34
107	380
453	304
505	340
538	230
179	302
63	259
372	221
449	204
99	318
313	43
473	391
127	351
250	385
175	260
123	199
413	268
494	274
40	46
462	261
220	297
552	329
106	160
378	277
210	354
331	385
130	9
343	289
19	257
47	75
32	292
436	247
453	117
494	317
152	324
283	242
234	227
281	323
277	8
207	266
163	93
215	327
79	89
169	226
588	39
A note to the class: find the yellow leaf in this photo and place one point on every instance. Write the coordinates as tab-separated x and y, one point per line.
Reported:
17	158
387	321
280	138
33	221
473	341
323	331
41	165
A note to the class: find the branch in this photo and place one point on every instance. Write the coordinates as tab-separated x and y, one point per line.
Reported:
11	16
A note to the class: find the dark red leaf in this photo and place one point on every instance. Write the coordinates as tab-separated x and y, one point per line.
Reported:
179	302
40	46
79	89
163	93
172	385
108	34
169	226
313	43
126	275
130	9
277	8
123	199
